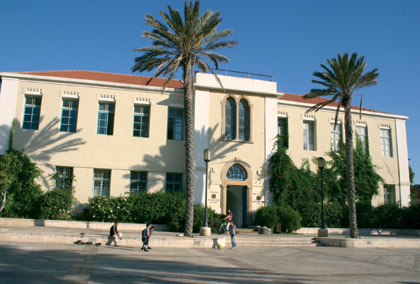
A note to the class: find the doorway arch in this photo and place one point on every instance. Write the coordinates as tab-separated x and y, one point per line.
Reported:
236	190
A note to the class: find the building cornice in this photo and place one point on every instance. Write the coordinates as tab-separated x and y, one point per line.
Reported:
86	82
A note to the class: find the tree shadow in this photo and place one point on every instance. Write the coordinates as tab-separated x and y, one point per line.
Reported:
40	145
204	138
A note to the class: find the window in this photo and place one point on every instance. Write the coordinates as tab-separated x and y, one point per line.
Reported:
176	124
101	182
283	132
386	142
106	118
389	193
336	136
31	113
63	177
309	135
243	121
141	121
236	172
173	182
361	131
230	119
138	182
69	115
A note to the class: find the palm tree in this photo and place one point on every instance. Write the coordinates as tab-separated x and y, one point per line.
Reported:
341	79
184	44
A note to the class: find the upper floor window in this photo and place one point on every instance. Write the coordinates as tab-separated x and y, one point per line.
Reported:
361	131
283	131
63	177
230	119
243	121
173	182
336	136
389	193
106	118
386	144
176	123
236	172
32	112
141	121
101	182
309	135
69	115
138	182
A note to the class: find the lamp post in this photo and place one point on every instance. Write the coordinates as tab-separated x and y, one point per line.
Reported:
206	158
322	232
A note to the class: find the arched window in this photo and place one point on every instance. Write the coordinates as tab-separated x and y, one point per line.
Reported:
236	172
243	120
230	119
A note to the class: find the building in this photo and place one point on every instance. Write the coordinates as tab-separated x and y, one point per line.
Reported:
114	134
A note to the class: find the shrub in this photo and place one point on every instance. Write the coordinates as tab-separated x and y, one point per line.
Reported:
386	216
364	211
311	214
336	215
56	204
269	216
290	219
411	217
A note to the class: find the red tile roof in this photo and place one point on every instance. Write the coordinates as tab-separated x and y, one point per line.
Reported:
313	101
107	77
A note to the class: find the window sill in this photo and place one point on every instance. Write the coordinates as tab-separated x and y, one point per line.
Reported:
238	141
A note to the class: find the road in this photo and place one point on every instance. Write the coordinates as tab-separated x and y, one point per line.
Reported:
55	263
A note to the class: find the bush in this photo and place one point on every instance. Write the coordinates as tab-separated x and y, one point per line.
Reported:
290	219
311	214
56	204
364	212
411	217
386	216
269	216
336	215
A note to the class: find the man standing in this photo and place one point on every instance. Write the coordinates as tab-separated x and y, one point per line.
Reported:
232	231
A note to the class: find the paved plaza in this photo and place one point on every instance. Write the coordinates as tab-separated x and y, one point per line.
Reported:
60	263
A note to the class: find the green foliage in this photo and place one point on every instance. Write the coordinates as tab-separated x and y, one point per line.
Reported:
56	204
411	217
387	216
22	187
311	214
364	210
336	215
366	178
269	216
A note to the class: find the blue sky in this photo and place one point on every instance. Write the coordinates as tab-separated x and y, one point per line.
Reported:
285	39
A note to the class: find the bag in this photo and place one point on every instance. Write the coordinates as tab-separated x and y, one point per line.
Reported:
144	235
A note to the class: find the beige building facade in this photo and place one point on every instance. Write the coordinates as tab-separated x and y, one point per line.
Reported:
113	134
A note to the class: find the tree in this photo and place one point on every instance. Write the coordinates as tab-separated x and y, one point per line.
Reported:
184	44
341	79
8	167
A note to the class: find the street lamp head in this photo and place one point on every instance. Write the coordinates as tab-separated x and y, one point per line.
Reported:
206	155
321	163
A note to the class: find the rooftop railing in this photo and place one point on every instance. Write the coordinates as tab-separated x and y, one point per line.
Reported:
242	74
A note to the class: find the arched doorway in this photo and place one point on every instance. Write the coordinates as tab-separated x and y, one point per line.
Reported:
237	191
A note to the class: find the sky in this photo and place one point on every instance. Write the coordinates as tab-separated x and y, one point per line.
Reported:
286	39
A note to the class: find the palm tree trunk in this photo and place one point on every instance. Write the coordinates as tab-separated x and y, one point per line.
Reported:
351	191
189	148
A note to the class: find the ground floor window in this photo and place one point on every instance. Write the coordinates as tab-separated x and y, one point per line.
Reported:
63	177
138	182
389	193
173	182
101	182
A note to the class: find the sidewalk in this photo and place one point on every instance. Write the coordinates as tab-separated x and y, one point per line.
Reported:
41	232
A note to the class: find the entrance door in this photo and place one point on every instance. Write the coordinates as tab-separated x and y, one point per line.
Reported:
236	202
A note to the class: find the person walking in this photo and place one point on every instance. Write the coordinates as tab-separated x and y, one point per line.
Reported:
232	231
114	233
146	233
